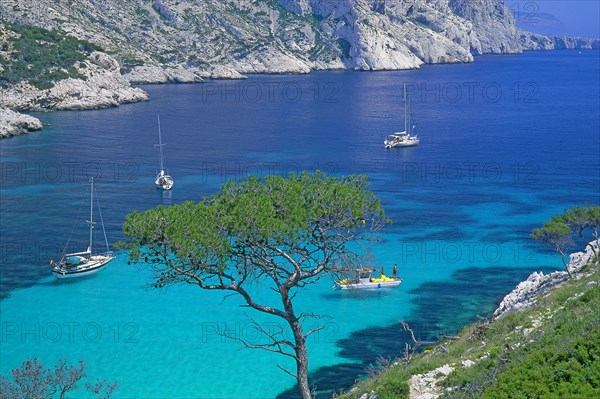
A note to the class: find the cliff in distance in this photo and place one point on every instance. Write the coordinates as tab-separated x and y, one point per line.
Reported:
282	36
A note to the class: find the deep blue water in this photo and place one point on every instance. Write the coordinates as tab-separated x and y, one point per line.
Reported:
507	141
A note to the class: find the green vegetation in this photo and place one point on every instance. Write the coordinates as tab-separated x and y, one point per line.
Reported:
285	233
562	361
558	232
40	56
582	220
548	351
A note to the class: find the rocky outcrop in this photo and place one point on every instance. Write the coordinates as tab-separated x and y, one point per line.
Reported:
13	123
157	74
425	386
102	87
537	284
151	74
222	72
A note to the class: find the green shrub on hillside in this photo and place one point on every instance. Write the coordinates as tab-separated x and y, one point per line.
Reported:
41	56
562	362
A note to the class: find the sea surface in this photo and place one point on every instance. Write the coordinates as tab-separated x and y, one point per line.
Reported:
506	142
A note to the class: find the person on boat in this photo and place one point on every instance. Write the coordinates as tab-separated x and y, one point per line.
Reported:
394	271
382	272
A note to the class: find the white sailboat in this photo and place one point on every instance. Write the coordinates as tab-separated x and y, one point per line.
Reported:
405	138
163	181
79	264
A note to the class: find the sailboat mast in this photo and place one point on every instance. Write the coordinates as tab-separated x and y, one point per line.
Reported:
91	212
160	144
405	111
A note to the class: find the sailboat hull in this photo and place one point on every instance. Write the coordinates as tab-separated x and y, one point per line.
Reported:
94	265
402	144
401	139
164	182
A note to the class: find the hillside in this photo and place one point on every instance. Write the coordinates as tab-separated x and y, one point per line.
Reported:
542	342
268	36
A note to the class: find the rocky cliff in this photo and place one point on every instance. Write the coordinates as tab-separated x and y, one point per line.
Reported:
270	36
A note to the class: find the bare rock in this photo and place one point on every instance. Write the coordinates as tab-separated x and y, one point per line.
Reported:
284	36
224	72
527	292
425	386
13	123
153	74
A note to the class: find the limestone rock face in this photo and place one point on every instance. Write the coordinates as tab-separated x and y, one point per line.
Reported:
13	123
270	60
164	41
157	74
492	26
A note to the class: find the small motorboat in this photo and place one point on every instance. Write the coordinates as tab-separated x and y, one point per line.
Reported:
364	281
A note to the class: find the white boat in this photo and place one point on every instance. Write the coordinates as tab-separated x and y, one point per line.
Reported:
163	181
79	264
407	138
364	281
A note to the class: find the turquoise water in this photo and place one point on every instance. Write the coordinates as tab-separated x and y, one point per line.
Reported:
493	163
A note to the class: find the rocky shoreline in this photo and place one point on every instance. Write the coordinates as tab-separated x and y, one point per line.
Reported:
13	123
523	296
156	74
527	292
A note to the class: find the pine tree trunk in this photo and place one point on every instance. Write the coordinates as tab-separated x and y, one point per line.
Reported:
301	361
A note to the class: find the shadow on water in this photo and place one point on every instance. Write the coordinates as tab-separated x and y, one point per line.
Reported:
442	308
65	281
